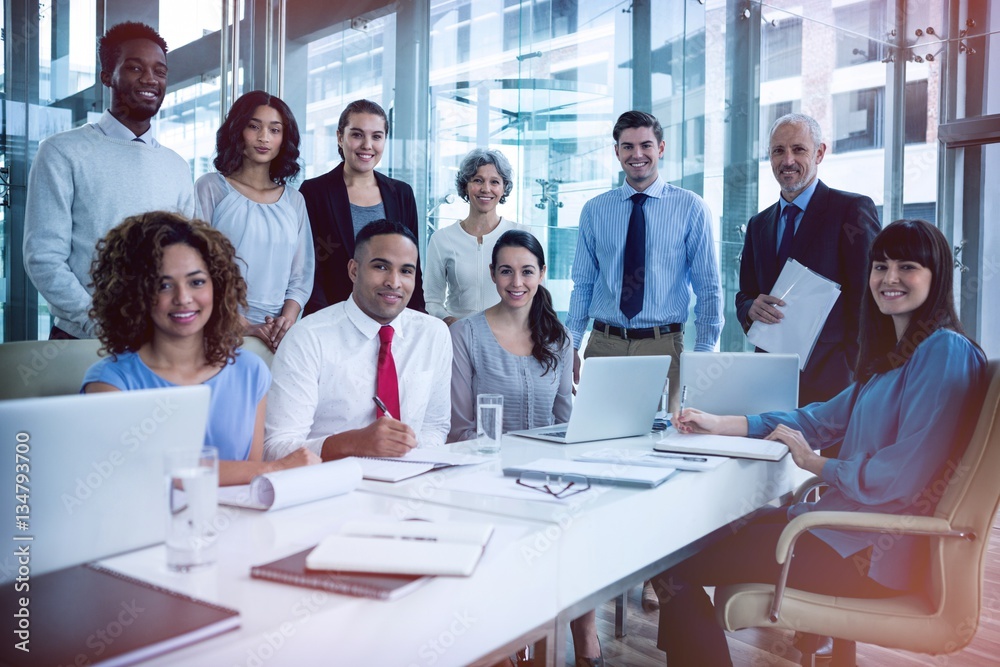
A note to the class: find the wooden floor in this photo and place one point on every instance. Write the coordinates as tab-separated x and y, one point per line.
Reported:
765	647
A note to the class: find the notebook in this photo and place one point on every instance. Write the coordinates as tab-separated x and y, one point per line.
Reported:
415	462
645	457
617	398
89	614
403	547
740	383
722	445
614	474
95	469
292	570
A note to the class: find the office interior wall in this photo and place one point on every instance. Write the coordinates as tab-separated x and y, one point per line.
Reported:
542	81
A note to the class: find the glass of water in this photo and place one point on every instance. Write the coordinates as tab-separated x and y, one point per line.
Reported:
193	491
489	422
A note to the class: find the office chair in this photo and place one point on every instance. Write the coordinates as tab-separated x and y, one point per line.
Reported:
35	368
944	619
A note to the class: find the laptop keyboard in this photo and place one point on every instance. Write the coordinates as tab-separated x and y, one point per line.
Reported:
556	434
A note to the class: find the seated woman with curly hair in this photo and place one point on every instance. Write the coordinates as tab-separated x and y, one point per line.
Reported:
167	299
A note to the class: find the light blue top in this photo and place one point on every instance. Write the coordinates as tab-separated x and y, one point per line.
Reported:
481	366
274	243
902	430
679	252
237	389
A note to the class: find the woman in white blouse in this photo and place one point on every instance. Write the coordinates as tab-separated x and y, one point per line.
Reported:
518	348
457	280
248	200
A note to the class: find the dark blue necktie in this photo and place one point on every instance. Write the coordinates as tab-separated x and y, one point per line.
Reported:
785	247
634	265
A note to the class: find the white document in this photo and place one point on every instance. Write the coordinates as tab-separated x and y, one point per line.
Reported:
809	298
493	483
415	462
645	457
731	446
403	547
285	488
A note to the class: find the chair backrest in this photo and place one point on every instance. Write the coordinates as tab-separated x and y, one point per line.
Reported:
257	346
969	502
31	369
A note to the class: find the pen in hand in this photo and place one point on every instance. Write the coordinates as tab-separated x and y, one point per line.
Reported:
381	406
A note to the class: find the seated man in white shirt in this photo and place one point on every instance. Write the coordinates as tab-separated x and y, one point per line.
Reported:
329	369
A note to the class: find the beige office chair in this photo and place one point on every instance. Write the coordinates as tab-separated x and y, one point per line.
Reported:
944	620
45	367
258	347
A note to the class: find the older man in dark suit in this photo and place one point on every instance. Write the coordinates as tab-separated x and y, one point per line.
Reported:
827	230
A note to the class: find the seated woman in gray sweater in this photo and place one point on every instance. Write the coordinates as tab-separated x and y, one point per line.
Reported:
518	348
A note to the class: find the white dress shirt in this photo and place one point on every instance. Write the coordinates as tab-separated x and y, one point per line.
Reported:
324	378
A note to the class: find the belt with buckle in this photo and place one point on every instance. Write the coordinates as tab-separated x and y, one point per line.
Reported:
637	334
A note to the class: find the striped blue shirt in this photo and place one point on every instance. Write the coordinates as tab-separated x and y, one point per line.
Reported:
679	251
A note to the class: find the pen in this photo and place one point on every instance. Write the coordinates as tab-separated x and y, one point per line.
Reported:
692	459
684	398
381	406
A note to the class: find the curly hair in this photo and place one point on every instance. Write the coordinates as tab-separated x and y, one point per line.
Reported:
109	47
126	275
229	145
480	157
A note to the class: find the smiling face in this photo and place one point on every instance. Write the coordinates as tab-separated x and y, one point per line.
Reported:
362	142
899	288
794	158
183	300
263	135
138	83
383	270
485	189
517	276
639	153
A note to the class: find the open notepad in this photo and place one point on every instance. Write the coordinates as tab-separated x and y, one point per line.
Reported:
415	462
722	445
285	488
403	547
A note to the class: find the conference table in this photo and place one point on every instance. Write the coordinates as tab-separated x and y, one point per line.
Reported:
548	562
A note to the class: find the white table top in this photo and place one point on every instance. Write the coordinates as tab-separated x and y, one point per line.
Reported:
547	560
449	621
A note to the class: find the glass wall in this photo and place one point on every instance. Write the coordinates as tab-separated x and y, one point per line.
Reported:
543	81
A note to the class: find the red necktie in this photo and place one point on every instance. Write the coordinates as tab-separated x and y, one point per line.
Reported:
387	383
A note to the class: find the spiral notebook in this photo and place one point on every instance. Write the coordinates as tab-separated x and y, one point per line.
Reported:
89	614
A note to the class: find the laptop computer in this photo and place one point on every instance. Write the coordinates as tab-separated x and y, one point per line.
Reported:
93	471
617	398
740	383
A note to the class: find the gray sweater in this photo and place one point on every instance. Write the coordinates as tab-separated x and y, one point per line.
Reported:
83	183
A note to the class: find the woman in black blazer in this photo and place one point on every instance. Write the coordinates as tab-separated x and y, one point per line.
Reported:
342	201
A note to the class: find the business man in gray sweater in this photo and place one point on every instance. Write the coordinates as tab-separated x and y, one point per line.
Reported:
85	181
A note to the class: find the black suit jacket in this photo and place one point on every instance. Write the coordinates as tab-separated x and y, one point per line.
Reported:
833	240
333	233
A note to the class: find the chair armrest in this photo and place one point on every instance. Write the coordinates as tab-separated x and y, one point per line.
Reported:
806	487
903	524
869	522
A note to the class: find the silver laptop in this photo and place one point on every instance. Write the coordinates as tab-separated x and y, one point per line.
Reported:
740	383
93	466
617	398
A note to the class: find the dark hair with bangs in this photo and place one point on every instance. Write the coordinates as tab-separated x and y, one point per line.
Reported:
548	335
109	47
916	241
229	144
126	274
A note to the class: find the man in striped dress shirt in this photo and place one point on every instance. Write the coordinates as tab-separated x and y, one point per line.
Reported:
640	306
